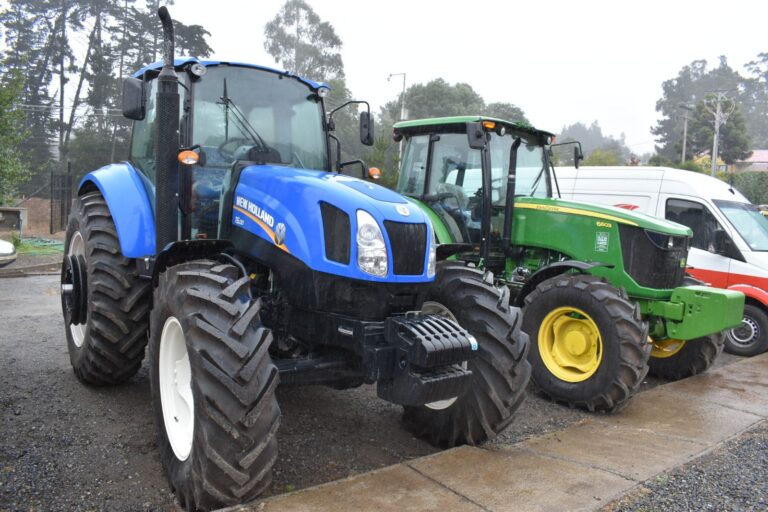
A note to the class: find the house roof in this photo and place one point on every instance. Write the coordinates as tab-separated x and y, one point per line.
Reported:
757	156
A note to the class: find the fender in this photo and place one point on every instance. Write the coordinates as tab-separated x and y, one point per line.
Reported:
553	270
130	198
752	292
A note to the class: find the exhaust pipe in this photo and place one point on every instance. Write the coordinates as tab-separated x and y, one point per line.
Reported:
167	143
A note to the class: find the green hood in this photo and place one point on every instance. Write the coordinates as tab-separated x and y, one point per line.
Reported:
607	213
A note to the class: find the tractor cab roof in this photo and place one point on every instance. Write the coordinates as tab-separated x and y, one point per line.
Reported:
458	123
181	62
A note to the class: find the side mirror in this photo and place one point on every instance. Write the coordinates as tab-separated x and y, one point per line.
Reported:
577	155
476	135
366	128
134	98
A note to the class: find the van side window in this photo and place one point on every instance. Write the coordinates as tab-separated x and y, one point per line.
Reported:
697	217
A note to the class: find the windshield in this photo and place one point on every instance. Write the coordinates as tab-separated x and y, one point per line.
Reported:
748	221
452	181
281	111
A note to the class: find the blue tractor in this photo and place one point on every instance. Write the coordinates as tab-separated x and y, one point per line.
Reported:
235	253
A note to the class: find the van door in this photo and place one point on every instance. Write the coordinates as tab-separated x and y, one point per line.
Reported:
707	265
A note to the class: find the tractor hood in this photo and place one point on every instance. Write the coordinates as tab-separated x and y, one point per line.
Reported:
605	213
286	206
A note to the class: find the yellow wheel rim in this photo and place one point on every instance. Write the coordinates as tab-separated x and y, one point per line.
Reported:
666	348
570	344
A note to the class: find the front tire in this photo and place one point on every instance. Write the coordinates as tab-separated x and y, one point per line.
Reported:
500	370
106	317
751	337
589	345
677	359
213	386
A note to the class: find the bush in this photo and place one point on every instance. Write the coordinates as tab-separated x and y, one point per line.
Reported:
754	185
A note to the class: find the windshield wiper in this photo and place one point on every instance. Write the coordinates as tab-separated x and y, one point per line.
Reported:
241	121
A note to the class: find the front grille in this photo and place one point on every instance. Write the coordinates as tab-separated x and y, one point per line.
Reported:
653	260
337	233
409	245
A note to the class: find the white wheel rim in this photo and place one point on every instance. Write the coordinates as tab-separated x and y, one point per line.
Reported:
77	248
175	378
435	308
746	333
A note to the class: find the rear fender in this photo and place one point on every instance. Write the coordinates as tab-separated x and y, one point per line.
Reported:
130	199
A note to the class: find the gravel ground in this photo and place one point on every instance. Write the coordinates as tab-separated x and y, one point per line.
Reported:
732	477
67	446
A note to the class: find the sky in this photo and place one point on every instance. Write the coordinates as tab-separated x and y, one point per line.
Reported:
564	63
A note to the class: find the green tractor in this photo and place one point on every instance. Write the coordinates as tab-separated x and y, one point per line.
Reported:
604	290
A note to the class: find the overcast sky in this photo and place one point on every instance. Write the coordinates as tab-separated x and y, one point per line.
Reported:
563	63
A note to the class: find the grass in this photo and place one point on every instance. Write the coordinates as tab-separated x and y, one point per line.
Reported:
36	246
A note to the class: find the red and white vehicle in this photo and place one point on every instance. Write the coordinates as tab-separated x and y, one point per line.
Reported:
730	236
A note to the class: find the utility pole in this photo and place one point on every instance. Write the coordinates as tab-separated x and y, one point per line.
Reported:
720	118
402	106
689	108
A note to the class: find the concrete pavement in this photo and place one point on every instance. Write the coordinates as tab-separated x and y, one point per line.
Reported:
582	467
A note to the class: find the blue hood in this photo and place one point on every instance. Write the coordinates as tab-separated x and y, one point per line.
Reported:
268	196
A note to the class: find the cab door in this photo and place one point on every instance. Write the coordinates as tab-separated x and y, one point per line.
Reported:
708	265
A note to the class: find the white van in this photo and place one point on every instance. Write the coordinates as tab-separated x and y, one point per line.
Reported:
730	237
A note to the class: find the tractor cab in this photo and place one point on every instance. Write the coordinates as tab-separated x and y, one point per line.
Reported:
229	112
450	163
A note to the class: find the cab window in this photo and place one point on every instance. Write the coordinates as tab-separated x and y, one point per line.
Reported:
697	217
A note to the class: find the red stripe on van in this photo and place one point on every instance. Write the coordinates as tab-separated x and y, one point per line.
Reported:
752	286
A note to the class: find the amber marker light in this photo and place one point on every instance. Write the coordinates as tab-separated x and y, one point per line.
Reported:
489	125
374	173
188	157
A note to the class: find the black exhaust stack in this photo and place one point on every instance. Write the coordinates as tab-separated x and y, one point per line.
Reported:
509	204
167	143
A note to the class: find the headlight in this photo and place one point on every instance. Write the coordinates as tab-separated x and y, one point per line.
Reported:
371	249
432	263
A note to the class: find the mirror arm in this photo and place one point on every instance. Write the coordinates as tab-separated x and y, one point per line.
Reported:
350	102
338	151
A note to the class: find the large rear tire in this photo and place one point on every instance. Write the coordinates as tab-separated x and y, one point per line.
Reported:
106	345
589	346
751	337
677	359
500	370
213	386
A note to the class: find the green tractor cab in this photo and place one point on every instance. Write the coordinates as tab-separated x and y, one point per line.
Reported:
604	290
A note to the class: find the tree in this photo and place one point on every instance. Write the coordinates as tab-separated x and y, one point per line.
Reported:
592	139
506	111
436	98
602	157
304	44
692	84
755	101
733	144
13	171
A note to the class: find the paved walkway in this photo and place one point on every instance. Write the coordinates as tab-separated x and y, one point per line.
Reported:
582	467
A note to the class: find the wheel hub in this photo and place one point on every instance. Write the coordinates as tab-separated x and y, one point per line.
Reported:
74	289
746	333
175	379
666	348
570	344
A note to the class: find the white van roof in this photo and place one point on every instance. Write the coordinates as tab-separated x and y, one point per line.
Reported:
687	182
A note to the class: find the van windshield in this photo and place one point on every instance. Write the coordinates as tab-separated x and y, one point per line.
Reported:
748	221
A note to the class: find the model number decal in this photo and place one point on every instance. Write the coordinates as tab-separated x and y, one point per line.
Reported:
602	224
256	210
